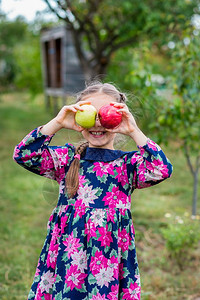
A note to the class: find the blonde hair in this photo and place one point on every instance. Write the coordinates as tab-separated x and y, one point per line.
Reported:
72	178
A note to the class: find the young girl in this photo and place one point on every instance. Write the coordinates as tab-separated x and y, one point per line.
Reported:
89	251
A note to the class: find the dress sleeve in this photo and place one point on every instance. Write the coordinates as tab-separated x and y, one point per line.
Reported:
34	154
148	166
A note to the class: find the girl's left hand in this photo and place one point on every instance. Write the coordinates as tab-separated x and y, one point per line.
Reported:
128	124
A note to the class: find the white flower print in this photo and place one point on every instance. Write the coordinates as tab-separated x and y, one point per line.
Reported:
104	277
87	195
117	162
80	260
62	187
123	205
98	216
47	281
62	209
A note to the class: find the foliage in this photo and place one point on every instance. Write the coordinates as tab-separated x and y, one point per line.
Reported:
20	63
11	33
28	65
141	74
181	237
108	25
178	118
180	115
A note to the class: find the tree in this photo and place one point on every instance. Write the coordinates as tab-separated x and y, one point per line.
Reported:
11	32
180	117
102	27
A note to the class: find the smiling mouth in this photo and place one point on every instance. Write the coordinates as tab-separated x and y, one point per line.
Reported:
97	134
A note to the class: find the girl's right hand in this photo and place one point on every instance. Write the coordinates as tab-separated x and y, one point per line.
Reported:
66	116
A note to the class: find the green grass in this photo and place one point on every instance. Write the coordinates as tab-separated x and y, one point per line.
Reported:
25	212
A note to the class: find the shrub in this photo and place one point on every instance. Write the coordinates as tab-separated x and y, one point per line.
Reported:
181	236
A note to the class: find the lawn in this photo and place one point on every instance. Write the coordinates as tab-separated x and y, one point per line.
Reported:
26	201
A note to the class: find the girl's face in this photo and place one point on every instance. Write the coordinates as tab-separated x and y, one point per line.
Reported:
98	136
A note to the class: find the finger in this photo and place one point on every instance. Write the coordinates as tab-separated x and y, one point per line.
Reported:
69	108
117	104
78	107
123	110
78	128
83	102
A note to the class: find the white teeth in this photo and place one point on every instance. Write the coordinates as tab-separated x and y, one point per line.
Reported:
97	133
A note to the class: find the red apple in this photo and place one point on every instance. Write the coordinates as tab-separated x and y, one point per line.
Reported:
109	116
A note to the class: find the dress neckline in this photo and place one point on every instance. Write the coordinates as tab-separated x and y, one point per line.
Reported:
104	155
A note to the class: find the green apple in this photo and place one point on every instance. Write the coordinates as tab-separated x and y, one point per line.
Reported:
87	117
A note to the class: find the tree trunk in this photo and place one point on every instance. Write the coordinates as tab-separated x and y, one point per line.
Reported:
195	173
195	193
97	72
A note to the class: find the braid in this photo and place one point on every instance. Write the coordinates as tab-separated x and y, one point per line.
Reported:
72	178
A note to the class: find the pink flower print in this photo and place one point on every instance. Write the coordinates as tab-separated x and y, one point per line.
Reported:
79	208
52	256
62	209
124	203
16	151
38	295
60	174
102	168
90	230
37	270
47	162
51	217
132	293
152	145
98	297
137	279
111	214
112	197
98	262
47	281
72	244
122	175
104	277
81	180
121	272
105	237
62	155
160	170
80	260
63	223
74	278
47	296
55	233
113	264
22	143
123	239
98	216
136	159
87	195
132	229
113	295
62	183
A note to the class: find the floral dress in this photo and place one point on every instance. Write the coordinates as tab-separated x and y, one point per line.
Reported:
89	251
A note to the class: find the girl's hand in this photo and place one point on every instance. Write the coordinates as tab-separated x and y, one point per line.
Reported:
64	119
128	124
66	116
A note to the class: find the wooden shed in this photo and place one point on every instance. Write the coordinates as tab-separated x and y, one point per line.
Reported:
62	73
